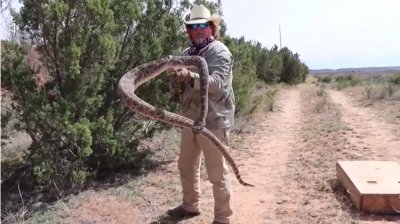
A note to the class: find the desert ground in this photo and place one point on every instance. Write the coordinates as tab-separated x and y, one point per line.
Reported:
289	154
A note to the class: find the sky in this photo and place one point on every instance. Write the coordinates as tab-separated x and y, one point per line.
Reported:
325	33
6	23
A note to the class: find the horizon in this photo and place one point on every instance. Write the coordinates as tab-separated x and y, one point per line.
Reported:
395	67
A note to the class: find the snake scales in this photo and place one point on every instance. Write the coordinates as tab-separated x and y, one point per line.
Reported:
131	80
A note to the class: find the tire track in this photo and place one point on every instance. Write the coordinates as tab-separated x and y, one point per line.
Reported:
274	139
370	135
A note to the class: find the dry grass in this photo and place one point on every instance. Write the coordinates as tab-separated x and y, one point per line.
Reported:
320	100
387	107
269	99
16	146
130	192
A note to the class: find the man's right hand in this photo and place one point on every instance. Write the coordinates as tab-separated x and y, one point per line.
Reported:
178	88
182	75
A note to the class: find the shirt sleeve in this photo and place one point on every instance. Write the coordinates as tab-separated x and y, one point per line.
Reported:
220	67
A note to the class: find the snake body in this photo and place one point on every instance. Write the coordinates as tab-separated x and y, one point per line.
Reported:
134	78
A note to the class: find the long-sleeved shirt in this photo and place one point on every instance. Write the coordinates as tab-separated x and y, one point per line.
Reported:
221	99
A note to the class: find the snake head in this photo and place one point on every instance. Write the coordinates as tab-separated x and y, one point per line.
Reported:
198	126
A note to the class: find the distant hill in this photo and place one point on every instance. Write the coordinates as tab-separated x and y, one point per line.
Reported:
368	70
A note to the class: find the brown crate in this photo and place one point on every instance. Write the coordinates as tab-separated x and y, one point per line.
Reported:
373	186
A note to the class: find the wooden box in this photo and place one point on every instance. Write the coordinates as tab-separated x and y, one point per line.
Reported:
374	186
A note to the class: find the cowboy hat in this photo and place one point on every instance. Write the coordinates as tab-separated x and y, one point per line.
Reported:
200	14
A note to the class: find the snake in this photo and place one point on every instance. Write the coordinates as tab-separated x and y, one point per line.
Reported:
143	73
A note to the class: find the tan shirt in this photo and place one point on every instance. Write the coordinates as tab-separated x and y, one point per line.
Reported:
221	99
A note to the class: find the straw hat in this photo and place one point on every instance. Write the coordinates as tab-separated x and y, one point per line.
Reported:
200	14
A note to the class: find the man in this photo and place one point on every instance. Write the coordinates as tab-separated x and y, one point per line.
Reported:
203	30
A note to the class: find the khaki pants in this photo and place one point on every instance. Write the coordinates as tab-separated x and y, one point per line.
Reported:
217	170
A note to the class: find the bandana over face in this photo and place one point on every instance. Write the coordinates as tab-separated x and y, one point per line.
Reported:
199	49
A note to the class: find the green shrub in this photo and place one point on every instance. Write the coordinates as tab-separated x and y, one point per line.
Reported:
381	92
321	91
368	92
390	88
269	99
324	79
395	79
344	78
75	119
344	81
244	85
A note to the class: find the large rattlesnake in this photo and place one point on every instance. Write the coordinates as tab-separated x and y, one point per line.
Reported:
131	80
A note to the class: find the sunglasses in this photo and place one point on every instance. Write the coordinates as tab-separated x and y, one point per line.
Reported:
200	25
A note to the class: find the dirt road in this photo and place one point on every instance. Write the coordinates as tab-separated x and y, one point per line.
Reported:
289	154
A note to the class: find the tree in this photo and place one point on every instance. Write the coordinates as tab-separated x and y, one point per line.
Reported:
76	120
292	68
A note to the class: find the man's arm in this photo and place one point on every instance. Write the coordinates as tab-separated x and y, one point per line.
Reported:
220	69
